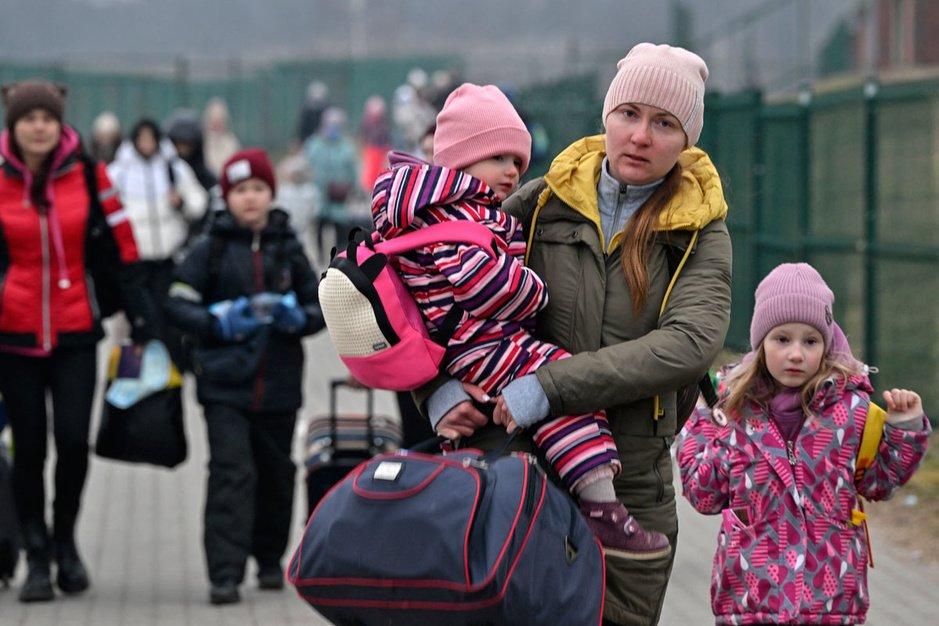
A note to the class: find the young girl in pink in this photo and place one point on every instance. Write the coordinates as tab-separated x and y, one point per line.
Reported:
777	458
486	300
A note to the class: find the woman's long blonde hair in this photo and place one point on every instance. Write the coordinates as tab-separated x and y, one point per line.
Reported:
751	382
639	234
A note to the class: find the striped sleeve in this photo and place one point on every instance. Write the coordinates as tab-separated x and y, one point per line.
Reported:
490	286
116	216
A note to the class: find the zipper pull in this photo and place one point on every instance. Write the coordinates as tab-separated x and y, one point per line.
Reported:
256	242
790	450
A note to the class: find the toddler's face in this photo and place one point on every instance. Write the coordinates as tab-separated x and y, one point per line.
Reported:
500	172
793	353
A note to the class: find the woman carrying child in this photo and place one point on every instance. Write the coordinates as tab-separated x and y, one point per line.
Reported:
602	225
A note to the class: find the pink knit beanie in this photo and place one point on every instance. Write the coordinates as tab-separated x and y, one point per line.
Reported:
666	77
476	123
792	292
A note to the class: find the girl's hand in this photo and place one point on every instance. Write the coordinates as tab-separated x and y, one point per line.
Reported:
902	405
502	416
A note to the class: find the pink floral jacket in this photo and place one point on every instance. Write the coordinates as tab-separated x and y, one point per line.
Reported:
788	551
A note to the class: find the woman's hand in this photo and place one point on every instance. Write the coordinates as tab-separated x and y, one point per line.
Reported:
502	416
902	405
464	419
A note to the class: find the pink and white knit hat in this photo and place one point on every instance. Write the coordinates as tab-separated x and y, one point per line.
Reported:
662	76
792	292
476	123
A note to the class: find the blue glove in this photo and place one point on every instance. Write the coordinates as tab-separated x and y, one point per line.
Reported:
288	316
234	319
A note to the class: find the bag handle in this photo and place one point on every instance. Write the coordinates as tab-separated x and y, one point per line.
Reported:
334	385
456	231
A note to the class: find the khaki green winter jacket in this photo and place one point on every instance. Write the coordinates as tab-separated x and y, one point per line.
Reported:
629	364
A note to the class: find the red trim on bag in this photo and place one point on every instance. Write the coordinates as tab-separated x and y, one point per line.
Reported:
443	606
407	493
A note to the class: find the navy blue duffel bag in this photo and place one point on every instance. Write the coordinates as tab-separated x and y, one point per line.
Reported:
416	539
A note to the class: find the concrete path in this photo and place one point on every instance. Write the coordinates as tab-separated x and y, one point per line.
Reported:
141	527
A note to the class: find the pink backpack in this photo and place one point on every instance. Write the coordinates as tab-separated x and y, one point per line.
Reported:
373	321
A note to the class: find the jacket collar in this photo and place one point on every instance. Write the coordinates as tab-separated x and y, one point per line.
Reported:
576	171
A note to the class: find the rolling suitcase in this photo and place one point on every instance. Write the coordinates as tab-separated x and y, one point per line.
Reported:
337	442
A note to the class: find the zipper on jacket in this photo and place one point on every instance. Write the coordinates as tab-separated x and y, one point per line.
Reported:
791	452
257	260
46	283
620	198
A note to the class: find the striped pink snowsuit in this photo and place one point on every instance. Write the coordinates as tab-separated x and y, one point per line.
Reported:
499	296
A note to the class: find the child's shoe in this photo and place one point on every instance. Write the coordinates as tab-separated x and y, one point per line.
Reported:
621	535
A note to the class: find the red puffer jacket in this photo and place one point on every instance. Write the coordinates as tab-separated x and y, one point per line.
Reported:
46	295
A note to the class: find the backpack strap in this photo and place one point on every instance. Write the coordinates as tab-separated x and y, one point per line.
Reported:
216	249
456	231
870	439
866	453
89	171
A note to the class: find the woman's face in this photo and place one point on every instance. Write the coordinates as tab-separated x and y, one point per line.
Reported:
146	143
642	142
249	201
37	134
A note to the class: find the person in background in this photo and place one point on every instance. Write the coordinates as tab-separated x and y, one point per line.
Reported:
50	322
298	196
162	198
220	141
248	293
105	136
311	114
185	131
375	141
332	158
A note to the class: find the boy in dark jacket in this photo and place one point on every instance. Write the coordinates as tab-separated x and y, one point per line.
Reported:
247	292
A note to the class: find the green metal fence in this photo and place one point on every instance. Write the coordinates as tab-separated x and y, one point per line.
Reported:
847	180
264	103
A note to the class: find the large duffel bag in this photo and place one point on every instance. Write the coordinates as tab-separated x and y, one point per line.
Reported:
416	539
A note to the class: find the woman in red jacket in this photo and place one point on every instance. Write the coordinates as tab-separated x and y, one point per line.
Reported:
49	316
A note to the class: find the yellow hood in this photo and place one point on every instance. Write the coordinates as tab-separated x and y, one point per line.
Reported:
575	172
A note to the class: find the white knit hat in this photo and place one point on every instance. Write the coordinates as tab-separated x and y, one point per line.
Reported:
662	76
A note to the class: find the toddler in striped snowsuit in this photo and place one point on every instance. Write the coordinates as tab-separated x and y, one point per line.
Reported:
487	300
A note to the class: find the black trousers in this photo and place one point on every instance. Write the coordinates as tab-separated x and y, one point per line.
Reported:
249	499
68	376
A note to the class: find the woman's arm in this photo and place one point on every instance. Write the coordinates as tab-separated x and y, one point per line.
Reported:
690	334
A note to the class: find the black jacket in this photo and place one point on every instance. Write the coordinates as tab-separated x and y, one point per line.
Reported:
223	265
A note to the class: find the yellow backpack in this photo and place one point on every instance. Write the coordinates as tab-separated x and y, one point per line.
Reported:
867	452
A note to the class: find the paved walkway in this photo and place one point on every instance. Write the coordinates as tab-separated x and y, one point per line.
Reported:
140	533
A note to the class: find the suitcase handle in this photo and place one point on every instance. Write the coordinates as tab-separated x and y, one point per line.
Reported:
334	385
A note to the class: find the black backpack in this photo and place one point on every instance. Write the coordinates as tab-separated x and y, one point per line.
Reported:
102	256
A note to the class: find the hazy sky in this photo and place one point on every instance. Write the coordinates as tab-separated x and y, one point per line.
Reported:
521	40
